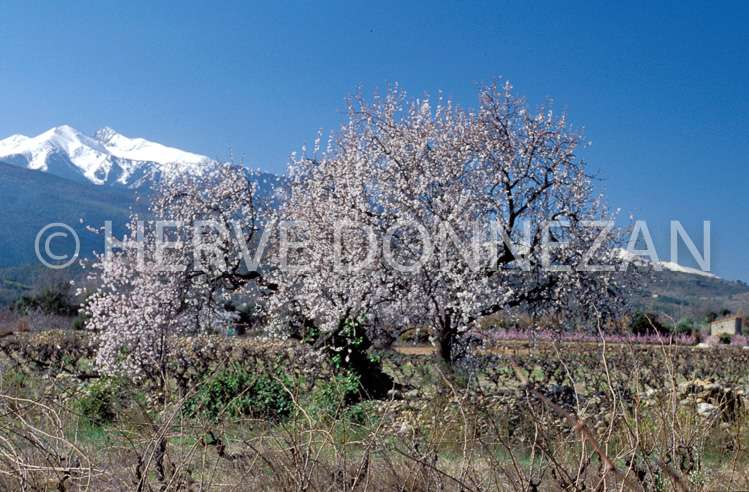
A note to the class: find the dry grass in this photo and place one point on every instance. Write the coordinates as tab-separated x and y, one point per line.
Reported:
498	424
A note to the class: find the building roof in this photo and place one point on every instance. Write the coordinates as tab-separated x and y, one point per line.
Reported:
725	319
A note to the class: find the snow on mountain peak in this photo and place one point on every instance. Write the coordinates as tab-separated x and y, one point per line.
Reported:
638	260
104	134
139	149
675	267
106	157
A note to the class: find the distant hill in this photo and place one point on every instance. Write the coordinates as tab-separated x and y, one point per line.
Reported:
29	200
65	176
22	279
680	294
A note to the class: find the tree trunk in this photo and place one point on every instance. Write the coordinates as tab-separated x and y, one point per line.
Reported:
446	336
445	349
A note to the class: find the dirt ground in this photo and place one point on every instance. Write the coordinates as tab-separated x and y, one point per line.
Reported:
414	349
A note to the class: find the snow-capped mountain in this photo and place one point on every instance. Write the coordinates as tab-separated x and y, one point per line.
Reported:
104	158
665	265
675	267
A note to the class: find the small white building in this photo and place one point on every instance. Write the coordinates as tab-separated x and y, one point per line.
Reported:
731	325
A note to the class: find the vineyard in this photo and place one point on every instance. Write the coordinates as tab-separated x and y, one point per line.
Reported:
251	414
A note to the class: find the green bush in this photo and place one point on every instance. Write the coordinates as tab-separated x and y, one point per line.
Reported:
14	381
686	325
79	323
645	323
51	300
98	402
332	397
724	338
360	413
348	354
238	391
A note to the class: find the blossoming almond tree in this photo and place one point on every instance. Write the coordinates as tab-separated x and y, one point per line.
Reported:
413	216
435	216
171	276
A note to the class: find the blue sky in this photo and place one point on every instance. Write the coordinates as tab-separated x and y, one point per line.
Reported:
662	88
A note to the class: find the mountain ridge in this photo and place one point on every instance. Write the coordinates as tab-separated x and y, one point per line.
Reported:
63	176
103	158
638	260
31	199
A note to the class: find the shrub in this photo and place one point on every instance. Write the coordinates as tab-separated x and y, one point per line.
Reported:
725	338
79	323
98	401
238	391
51	300
348	354
710	316
686	325
332	397
360	413
646	323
